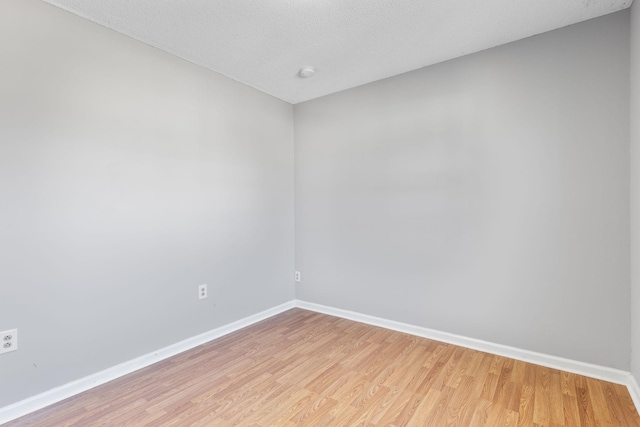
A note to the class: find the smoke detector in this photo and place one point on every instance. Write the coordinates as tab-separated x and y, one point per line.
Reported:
306	72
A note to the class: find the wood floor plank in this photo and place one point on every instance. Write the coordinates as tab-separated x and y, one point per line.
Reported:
400	410
555	392
410	408
587	416
525	411
570	410
599	402
481	413
542	398
627	405
477	384
613	402
301	368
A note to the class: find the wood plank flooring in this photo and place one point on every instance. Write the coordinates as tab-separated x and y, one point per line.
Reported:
307	369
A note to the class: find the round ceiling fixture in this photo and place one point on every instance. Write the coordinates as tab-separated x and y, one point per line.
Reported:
306	72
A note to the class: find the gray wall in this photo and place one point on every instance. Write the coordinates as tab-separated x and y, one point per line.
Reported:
635	190
128	177
486	196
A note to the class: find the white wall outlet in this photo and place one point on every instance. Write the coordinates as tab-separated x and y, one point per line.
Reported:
8	341
202	291
297	277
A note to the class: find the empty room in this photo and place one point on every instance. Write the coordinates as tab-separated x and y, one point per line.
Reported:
320	213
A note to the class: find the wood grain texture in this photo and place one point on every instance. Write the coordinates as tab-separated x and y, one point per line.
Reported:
302	368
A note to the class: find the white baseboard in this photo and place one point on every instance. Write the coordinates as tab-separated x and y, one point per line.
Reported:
634	391
65	391
594	371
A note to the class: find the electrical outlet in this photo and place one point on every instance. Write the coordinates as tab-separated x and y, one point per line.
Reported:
202	291
297	277
8	341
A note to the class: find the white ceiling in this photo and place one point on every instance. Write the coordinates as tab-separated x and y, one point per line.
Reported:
264	43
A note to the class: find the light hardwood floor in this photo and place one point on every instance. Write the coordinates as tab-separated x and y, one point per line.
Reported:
307	369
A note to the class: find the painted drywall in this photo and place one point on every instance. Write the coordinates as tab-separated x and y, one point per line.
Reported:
128	177
635	190
487	196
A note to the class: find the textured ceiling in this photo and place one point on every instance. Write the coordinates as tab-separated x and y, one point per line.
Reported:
264	43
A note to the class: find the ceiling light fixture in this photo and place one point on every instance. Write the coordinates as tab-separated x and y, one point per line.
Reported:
306	72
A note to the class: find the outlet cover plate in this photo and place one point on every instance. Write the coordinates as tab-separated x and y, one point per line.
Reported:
8	341
202	291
